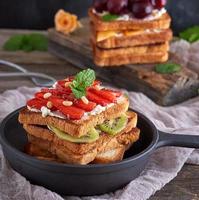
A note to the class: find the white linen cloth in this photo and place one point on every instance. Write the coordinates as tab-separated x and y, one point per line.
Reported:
161	169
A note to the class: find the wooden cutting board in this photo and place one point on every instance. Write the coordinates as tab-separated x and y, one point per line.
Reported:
164	89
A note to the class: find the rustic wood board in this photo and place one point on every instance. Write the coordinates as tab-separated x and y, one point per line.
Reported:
163	89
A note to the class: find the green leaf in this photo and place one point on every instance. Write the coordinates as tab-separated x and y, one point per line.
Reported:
109	17
39	42
78	93
27	42
167	68
82	80
14	43
190	34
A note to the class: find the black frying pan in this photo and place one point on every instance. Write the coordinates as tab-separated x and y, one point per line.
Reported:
89	179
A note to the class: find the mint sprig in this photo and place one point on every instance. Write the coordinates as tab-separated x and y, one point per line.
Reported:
109	17
81	81
167	68
27	42
190	34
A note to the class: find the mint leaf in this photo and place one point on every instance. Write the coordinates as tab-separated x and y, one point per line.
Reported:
82	80
38	41
78	93
190	34
27	42
109	17
167	68
85	78
14	43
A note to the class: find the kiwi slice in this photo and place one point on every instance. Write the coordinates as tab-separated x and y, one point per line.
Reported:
92	135
114	126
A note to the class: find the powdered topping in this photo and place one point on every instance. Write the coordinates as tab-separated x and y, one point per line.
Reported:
60	101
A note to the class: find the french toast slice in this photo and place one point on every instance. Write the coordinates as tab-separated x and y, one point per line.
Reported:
157	57
137	50
106	40
77	148
64	155
76	128
110	156
162	22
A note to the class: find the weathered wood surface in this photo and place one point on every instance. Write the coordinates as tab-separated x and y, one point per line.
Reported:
184	187
163	89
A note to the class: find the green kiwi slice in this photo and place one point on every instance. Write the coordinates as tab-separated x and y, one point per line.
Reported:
114	126
92	135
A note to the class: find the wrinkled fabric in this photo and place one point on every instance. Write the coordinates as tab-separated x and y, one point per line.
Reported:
163	166
186	54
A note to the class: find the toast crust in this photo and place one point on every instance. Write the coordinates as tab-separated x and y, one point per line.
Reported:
138	50
46	135
131	59
161	23
136	40
76	128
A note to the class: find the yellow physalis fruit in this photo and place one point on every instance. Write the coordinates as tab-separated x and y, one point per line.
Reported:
65	22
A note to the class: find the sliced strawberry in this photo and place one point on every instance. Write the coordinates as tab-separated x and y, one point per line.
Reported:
71	112
56	102
39	95
97	99
96	82
116	93
110	96
36	103
87	107
54	92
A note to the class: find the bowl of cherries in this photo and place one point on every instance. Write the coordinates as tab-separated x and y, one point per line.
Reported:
138	8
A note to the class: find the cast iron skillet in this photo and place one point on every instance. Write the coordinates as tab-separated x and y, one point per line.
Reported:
89	179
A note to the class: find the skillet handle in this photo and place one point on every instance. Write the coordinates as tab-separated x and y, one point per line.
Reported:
166	139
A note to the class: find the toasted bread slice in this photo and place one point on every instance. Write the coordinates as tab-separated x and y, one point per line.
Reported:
47	135
106	40
131	59
76	128
162	22
137	50
101	158
110	156
64	155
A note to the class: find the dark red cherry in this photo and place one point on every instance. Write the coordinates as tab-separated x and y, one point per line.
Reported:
141	8
130	3
116	6
158	4
100	5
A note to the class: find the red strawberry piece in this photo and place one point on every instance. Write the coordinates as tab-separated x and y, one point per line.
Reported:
96	98
116	93
96	82
110	96
39	95
71	112
54	92
36	103
62	87
87	107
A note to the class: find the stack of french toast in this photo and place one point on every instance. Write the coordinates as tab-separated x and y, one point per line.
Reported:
129	32
78	121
